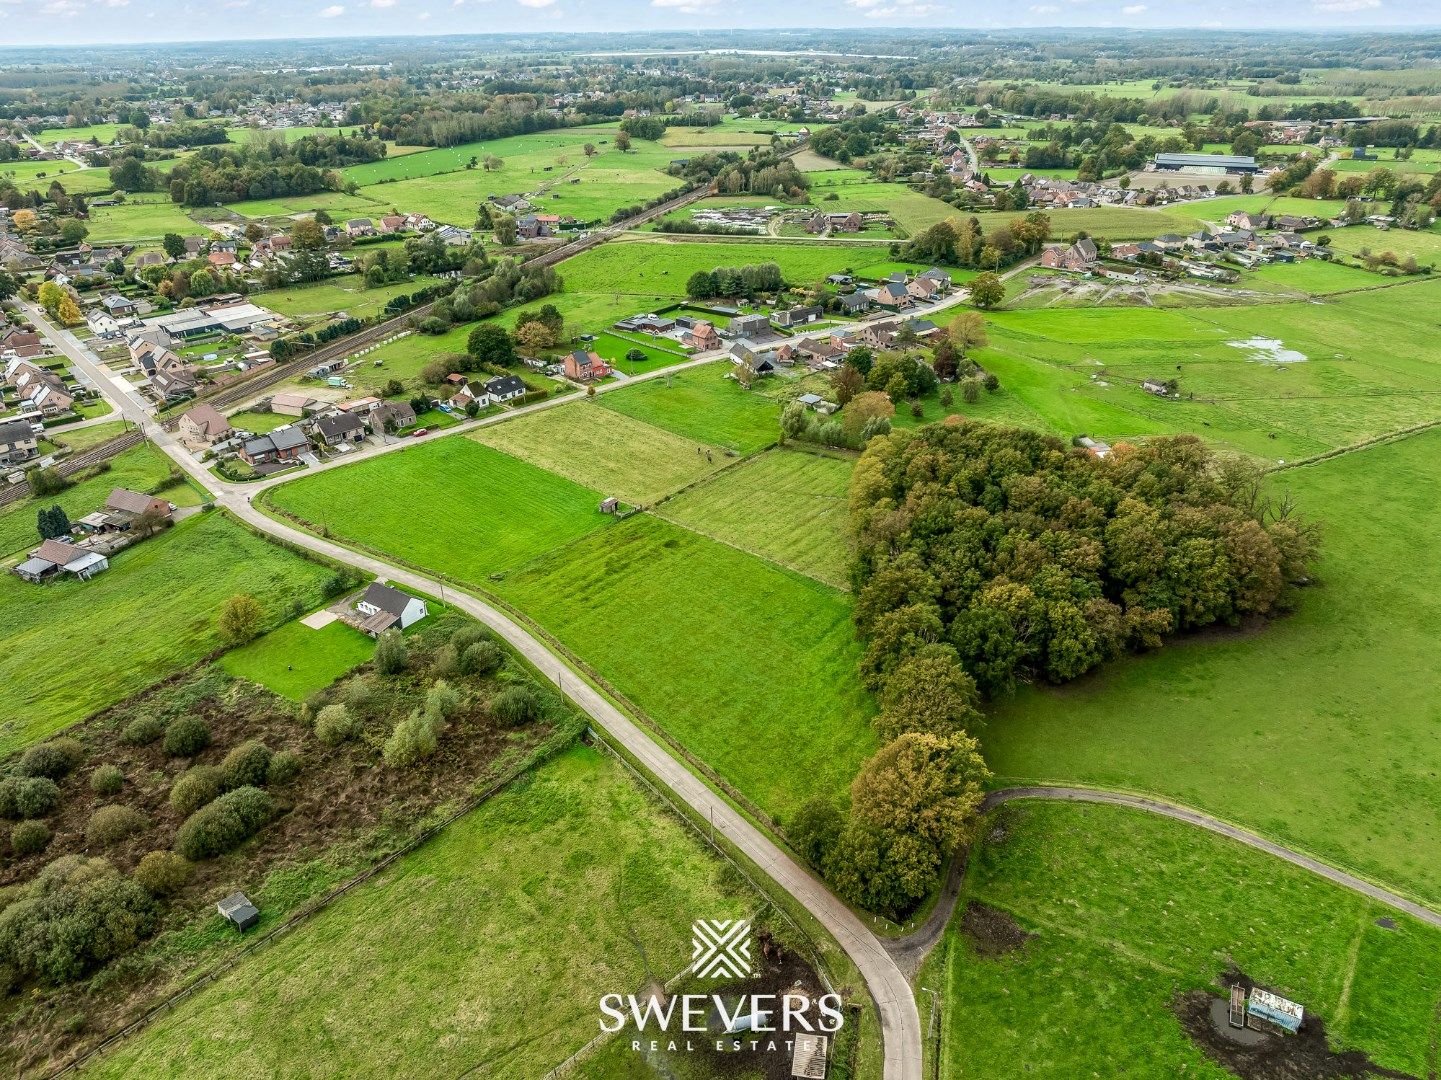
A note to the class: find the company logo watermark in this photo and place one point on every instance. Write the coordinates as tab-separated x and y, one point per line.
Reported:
721	948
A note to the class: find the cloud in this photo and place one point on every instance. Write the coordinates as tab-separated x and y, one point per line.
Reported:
1045	9
332	12
382	3
688	7
1133	9
1346	6
65	8
535	3
895	9
115	3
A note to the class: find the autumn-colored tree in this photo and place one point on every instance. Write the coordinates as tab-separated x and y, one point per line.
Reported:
987	290
967	331
864	407
24	220
68	312
929	693
50	296
846	383
622	141
534	336
307	235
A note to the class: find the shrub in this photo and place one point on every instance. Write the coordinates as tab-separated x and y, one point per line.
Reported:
359	694
482	658
247	765
112	824
143	730
391	654
162	873
414	738
446	661
224	824
28	837
53	759
335	725
442	699
194	788
284	767
23	797
468	635
186	737
516	705
77	914
107	780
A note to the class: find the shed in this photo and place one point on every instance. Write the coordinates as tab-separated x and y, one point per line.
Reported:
609	505
239	911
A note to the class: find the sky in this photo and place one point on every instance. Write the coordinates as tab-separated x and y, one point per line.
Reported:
38	22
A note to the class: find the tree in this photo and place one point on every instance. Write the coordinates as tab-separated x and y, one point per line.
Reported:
846	383
240	619
68	311
491	344
987	290
50	296
308	235
47	481
52	523
589	149
862	409
72	231
793	420
967	331
391	654
491	163
535	336
149	522
504	229
622	141
929	693
9	285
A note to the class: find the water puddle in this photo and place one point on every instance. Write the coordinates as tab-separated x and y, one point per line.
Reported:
1268	351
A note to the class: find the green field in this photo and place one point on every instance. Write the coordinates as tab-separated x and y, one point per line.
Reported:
910	209
519	153
785	505
750	667
142	468
1316	730
701	404
259	423
105	133
337	204
135	219
568	885
1128	911
82	438
1424	245
73	647
603	450
452	505
347	293
294	661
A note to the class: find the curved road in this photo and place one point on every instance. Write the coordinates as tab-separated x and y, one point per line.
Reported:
888	986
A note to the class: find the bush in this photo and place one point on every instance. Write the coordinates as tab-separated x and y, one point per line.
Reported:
391	654
247	765
53	759
468	635
442	699
107	780
446	661
414	738
284	767
482	658
335	725
23	797
112	824
77	914
194	788
224	824
359	694
28	837
162	873
516	705
143	730
186	737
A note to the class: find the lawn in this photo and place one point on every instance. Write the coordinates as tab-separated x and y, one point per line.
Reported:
568	885
1316	730
295	661
259	423
751	667
142	468
347	293
104	133
1128	911
83	438
453	506
784	505
699	403
135	219
336	203
603	450
1425	245
73	647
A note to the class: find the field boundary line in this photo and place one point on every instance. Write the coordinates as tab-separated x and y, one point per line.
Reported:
562	739
1364	444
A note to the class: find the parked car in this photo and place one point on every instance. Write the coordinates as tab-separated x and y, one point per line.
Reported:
418	432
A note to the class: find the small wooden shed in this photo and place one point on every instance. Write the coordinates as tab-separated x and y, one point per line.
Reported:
239	911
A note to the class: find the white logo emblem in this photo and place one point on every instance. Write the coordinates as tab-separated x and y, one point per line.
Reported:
721	948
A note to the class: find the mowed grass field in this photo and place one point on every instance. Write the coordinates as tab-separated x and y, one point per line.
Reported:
603	450
568	885
73	647
787	506
294	660
699	403
141	217
453	505
1317	730
749	666
517	153
347	293
1128	911
336	203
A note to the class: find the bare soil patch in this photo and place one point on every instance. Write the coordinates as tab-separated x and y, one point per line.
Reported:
992	932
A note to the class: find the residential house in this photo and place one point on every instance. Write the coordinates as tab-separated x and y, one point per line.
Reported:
818	352
18	443
1170	242
21	343
55	557
281	445
505	388
939	276
702	337
340	429
531	227
119	306
385	606
391	416
799	315
892	294
221	260
923	288
1080	257
583	366
360	227
855	303
750	326
1242	219
202	427
289	404
126	505
172	384
391	223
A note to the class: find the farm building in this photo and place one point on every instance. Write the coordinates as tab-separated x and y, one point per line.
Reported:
1217	164
56	557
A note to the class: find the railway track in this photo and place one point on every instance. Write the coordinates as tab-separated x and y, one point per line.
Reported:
76	462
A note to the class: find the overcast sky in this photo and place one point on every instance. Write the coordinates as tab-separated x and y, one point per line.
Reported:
31	22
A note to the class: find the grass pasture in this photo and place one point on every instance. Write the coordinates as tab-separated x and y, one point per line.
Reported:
294	661
1128	911
603	450
347	293
73	647
147	217
535	904
786	506
700	404
454	506
750	667
1316	730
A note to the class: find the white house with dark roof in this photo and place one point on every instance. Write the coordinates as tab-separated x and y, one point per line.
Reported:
385	606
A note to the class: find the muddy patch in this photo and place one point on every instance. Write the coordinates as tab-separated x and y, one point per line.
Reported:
992	933
1254	1055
